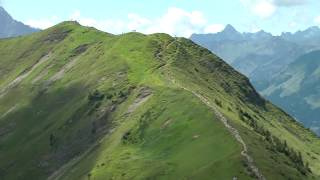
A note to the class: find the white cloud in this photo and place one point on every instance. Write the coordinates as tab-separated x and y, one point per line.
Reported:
137	22
214	28
109	25
261	8
196	18
174	21
178	22
267	8
317	20
75	15
42	23
293	24
254	28
289	2
264	9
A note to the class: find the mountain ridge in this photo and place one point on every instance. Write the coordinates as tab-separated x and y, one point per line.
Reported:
313	30
132	106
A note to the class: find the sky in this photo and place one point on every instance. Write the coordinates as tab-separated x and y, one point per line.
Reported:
175	17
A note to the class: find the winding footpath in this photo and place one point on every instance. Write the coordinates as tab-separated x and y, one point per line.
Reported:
235	133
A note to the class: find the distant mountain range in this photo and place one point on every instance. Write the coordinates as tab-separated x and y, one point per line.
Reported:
310	36
262	56
259	55
12	28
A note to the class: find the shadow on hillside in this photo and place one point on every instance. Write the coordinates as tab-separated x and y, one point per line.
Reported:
55	127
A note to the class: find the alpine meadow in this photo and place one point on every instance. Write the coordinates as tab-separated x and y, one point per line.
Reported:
81	103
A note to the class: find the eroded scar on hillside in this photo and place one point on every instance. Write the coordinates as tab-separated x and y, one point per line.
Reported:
143	96
24	75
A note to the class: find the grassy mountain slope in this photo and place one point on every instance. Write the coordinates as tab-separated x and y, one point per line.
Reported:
296	89
77	103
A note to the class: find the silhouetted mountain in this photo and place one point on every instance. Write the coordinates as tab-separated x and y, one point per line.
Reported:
10	27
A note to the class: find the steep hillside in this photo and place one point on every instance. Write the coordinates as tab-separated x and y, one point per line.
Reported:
296	90
77	103
10	27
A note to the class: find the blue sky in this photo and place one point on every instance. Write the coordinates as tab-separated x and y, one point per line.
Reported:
176	17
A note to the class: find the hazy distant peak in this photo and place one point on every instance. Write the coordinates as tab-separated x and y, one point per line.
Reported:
230	29
262	32
313	29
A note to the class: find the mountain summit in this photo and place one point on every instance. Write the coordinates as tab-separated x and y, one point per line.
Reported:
10	27
230	29
229	33
77	103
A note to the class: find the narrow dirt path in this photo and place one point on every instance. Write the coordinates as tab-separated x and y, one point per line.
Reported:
235	133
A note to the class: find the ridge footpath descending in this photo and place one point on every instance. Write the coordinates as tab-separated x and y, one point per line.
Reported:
231	129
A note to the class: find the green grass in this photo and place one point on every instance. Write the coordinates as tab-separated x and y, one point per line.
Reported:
173	135
179	137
